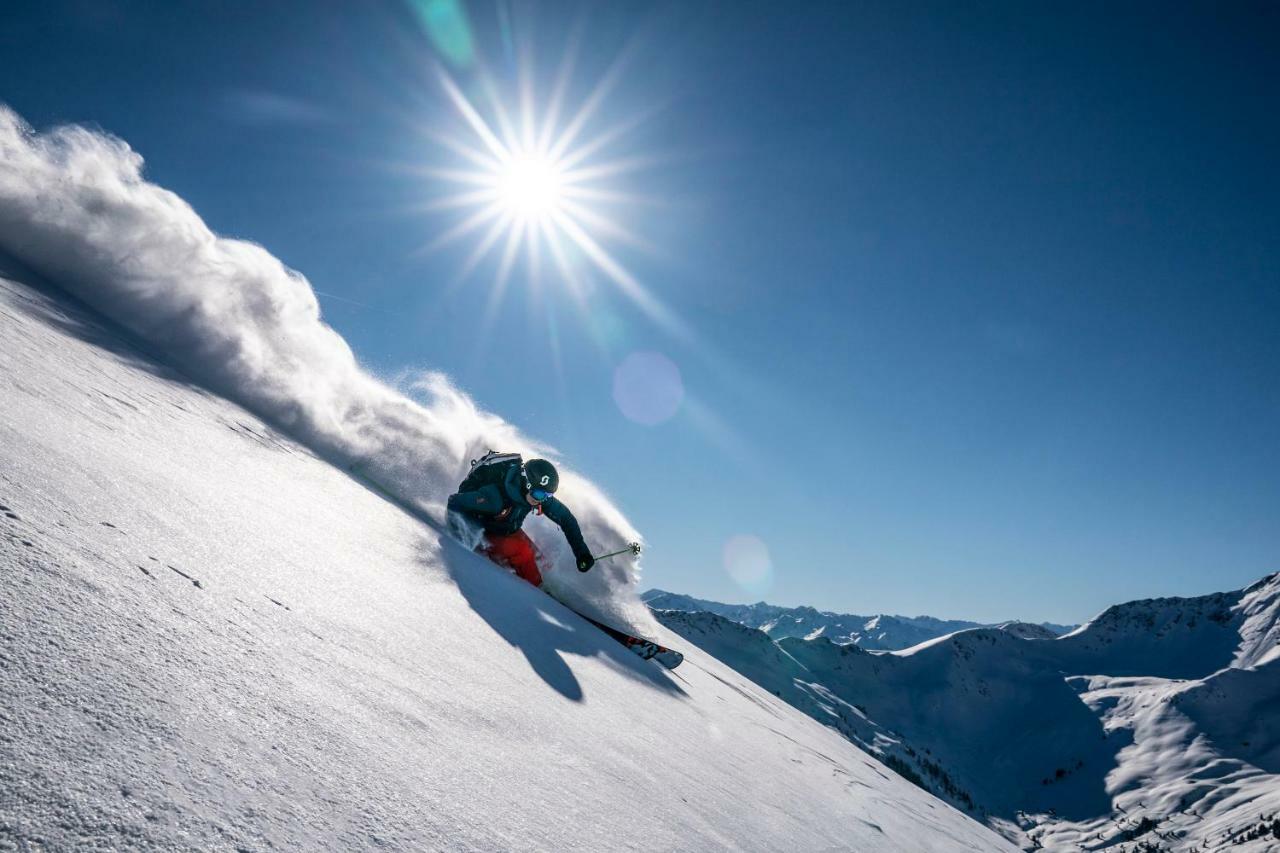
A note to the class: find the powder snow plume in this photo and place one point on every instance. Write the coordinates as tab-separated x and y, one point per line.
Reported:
75	207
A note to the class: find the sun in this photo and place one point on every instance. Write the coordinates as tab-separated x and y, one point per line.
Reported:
526	177
530	186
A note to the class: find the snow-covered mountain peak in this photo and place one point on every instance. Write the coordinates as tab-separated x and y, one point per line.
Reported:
969	643
1267	581
1027	630
1259	610
1176	637
1160	616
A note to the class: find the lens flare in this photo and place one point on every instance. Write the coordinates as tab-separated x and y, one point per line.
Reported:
746	559
647	388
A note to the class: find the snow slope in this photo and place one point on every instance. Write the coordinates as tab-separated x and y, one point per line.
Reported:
751	653
1062	742
959	698
880	632
75	206
213	638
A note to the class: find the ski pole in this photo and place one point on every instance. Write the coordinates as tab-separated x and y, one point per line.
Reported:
632	548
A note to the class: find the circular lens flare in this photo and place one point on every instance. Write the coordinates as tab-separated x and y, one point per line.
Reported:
647	388
746	559
530	186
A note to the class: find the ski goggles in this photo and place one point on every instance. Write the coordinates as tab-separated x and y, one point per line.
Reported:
539	495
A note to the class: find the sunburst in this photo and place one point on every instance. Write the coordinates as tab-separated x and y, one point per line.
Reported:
534	187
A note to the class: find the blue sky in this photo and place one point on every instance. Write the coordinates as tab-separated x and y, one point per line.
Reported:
977	307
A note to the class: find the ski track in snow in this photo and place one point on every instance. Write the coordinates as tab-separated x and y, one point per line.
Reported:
212	639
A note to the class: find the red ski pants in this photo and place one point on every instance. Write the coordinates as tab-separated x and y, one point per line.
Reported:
515	551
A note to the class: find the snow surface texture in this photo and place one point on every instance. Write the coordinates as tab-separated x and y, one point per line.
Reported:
212	638
75	207
1156	726
883	632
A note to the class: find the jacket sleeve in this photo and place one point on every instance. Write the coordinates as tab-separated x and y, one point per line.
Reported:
560	514
486	500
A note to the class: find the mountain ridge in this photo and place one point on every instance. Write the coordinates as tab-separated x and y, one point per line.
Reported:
879	631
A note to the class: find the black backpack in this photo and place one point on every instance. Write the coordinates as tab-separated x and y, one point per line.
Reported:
490	469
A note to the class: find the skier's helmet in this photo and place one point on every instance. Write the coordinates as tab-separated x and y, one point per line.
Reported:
540	478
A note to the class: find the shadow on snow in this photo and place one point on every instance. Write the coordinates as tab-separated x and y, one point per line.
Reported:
544	630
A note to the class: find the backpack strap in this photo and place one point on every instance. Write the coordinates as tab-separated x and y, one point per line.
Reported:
493	457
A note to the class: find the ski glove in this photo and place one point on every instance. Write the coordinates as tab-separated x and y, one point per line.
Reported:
585	562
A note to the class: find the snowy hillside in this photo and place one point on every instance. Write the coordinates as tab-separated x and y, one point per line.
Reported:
751	653
1059	742
219	633
1168	637
881	631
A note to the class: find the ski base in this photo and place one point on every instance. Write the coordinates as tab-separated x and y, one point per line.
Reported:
645	649
649	650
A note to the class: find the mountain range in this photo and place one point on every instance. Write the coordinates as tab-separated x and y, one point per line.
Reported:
881	631
1154	726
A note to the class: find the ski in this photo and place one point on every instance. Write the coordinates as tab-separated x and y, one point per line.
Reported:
645	649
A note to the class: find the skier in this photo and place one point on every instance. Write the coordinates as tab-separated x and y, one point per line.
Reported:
499	494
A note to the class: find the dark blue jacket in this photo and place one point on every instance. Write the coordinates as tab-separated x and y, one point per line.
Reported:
501	510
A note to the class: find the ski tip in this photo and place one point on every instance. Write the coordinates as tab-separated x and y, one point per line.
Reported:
669	658
649	650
